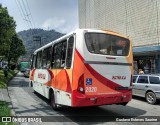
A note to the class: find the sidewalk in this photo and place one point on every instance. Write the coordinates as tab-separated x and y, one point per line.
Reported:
4	96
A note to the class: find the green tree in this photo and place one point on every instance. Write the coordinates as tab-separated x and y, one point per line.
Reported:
7	30
16	50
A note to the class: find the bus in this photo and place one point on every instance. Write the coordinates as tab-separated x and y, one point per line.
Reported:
87	67
24	66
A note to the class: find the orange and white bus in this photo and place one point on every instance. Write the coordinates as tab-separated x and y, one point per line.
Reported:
84	68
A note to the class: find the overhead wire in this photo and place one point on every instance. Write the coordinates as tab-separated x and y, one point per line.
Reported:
21	12
30	14
25	14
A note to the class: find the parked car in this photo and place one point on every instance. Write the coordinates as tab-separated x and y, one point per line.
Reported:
26	72
147	86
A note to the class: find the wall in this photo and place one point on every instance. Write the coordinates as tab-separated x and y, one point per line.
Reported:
139	19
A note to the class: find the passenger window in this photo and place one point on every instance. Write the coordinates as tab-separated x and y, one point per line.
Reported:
63	53
69	52
46	60
154	80
134	79
39	60
143	79
59	55
33	62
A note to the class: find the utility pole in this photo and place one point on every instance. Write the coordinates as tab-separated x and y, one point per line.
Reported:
37	38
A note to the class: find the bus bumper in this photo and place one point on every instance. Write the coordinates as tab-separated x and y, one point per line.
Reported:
81	100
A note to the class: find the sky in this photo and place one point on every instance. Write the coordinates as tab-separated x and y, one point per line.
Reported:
60	15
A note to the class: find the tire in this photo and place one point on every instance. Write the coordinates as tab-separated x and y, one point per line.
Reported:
124	103
151	98
53	103
34	92
31	84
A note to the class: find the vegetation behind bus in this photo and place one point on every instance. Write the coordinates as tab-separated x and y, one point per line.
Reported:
11	47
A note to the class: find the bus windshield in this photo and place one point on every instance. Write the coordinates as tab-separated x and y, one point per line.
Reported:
106	44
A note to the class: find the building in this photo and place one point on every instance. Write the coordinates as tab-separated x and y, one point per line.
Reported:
139	19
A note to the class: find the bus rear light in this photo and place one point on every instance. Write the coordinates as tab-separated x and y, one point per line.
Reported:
80	87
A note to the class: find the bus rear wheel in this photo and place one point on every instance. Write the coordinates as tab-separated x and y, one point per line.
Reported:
53	103
31	84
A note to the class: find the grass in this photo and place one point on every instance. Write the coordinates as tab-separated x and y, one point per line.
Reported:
5	80
5	111
4	108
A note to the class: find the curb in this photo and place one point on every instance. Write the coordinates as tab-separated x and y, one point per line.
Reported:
6	97
11	107
10	104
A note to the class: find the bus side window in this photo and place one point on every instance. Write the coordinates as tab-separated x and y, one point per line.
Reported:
33	62
46	60
69	52
57	60
53	56
59	55
36	61
39	60
49	55
63	57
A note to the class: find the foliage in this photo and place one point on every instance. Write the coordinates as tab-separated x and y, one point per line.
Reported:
5	80
5	111
7	30
17	49
11	46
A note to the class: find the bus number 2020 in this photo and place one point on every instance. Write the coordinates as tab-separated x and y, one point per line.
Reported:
91	89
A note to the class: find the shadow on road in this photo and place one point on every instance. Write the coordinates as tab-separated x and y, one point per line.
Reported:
94	114
106	113
19	81
18	84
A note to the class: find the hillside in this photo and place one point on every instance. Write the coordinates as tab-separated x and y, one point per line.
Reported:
46	37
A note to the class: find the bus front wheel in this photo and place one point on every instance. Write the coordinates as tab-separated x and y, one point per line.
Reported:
53	103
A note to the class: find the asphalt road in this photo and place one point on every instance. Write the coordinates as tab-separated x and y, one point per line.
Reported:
27	103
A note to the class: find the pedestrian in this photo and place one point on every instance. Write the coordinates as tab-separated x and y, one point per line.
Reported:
6	71
141	71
